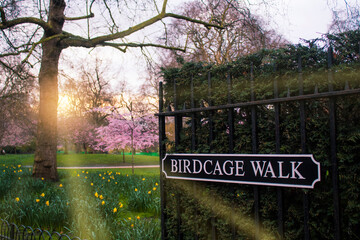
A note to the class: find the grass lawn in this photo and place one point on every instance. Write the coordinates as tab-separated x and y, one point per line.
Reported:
143	172
88	203
83	160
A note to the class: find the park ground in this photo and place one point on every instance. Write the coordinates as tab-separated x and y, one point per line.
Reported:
88	203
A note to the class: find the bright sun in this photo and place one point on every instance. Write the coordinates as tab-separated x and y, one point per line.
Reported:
64	105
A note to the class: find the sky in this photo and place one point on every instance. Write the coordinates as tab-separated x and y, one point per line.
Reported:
306	19
294	19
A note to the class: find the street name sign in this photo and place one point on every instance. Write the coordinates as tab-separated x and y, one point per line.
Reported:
282	170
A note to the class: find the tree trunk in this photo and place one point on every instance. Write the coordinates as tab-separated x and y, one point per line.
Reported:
132	151
46	143
66	150
123	152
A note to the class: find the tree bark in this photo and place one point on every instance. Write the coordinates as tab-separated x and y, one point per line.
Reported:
45	165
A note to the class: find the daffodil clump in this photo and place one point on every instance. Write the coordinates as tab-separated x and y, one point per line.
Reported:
92	204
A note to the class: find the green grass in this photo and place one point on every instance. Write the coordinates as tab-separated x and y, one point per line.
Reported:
150	172
75	207
83	160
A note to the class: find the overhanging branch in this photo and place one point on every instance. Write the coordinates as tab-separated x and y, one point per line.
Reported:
206	24
18	21
91	15
140	45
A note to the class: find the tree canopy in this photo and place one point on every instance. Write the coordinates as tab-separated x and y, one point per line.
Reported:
39	33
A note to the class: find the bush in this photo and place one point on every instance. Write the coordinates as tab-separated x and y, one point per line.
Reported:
269	66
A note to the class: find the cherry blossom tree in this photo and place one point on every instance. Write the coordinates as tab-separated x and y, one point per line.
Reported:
127	130
39	31
16	134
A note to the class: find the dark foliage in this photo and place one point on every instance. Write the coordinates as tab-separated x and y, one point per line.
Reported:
265	68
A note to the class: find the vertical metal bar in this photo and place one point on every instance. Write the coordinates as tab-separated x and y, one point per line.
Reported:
211	123
303	150
178	119
162	151
231	139
178	125
210	139
12	231
335	173
193	119
279	191
230	116
193	144
255	150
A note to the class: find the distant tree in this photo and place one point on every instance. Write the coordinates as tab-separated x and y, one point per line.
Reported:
344	19
128	130
84	134
16	134
244	33
42	32
17	113
81	93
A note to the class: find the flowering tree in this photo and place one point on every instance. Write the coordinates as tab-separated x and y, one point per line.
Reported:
16	134
38	30
127	130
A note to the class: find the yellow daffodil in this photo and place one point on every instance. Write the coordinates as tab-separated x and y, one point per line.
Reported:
136	189
42	195
132	225
19	166
156	184
138	217
143	179
47	203
129	218
19	178
92	184
115	182
99	174
121	205
115	210
42	179
17	199
149	192
154	188
78	175
101	197
96	194
60	185
103	203
37	200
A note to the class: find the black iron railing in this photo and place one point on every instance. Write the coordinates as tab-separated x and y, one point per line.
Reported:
10	231
178	114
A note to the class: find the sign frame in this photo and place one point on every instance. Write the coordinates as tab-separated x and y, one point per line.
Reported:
246	156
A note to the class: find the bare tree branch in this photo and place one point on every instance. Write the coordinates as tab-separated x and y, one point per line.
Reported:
142	45
8	24
91	15
2	12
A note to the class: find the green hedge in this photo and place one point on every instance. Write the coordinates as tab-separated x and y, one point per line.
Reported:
199	207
